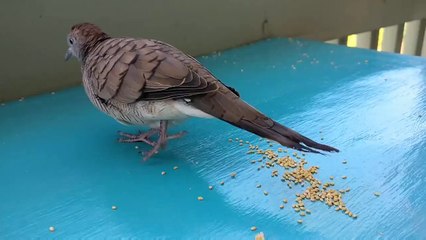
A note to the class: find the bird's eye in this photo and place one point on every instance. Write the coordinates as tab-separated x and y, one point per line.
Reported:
71	41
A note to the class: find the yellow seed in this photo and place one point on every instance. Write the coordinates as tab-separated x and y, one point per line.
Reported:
200	198
52	229
344	162
265	193
210	187
260	236
300	221
344	177
254	228
241	141
175	167
331	177
377	194
259	185
354	216
281	206
233	174
114	207
241	144
308	211
222	183
302	214
163	173
285	200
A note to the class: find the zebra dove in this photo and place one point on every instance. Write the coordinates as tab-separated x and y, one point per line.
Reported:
147	82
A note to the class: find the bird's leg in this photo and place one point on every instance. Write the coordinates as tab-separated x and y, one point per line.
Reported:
141	137
162	139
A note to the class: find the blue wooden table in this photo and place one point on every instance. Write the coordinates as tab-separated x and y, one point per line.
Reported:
61	166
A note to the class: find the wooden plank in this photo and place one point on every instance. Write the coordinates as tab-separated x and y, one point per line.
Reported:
392	38
421	37
411	36
363	40
333	41
423	54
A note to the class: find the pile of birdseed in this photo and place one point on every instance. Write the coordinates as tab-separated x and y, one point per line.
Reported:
296	173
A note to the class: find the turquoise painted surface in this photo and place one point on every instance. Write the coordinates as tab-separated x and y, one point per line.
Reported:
60	164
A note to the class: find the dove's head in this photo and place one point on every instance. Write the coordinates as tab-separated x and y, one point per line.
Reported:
82	38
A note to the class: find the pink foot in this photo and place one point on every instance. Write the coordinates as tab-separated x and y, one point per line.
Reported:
162	140
141	137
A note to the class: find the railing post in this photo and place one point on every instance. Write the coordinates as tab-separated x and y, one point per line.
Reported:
421	38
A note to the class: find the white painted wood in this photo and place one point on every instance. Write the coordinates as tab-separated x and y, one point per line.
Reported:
333	41
423	54
411	35
363	40
389	38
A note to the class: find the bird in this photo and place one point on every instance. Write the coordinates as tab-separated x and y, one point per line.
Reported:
150	83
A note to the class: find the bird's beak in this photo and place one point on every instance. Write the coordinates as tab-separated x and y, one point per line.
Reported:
68	54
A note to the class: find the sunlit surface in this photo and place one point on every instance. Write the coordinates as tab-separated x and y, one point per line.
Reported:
61	165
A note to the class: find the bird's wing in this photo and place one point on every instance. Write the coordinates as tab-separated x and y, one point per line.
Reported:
129	70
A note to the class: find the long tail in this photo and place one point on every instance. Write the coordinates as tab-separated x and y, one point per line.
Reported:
228	107
285	136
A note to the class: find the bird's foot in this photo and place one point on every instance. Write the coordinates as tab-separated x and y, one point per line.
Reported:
141	137
144	137
161	143
177	135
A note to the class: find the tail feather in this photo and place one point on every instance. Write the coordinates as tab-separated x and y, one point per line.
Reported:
285	136
227	106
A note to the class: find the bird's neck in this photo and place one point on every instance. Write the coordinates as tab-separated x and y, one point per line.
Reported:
90	46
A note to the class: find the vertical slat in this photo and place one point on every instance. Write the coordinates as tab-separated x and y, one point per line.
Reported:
411	35
333	41
351	40
343	41
423	54
399	37
363	40
392	38
374	39
421	37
